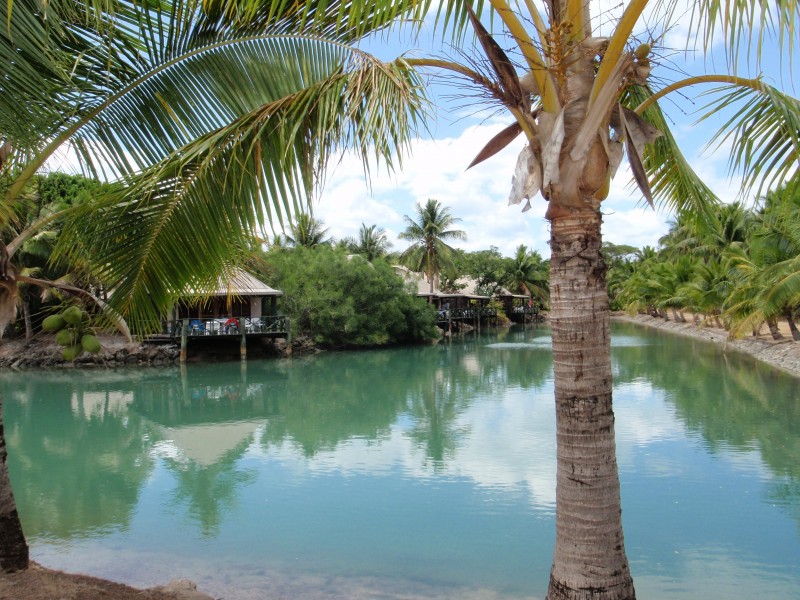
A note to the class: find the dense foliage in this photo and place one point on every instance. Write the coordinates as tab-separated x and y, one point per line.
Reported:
344	301
41	211
738	267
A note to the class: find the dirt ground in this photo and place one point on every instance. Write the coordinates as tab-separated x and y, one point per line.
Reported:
38	583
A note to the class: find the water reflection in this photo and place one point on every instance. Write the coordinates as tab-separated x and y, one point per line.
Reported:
728	399
435	462
83	455
200	421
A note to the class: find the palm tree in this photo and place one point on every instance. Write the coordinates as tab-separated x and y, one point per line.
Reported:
727	226
13	547
307	231
529	274
767	270
372	242
429	235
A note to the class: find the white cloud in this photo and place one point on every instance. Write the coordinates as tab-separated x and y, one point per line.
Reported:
478	196
436	169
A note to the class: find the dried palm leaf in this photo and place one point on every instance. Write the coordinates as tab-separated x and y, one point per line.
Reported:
497	143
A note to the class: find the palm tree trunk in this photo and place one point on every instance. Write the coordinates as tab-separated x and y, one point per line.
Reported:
792	324
589	559
773	329
26	315
13	547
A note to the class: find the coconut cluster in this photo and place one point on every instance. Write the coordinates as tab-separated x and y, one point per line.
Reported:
72	332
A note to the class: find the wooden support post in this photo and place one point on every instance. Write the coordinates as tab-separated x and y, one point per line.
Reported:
243	345
184	339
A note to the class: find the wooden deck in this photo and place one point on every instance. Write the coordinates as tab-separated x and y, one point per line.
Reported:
452	318
184	331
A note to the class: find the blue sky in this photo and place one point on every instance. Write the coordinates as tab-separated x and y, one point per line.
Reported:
436	167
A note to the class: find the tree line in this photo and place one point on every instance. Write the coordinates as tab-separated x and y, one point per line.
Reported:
736	266
329	296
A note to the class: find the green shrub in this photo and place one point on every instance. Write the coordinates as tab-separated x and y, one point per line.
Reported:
342	300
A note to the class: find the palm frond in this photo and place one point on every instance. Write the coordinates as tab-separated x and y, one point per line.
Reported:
672	179
198	209
207	91
746	26
342	21
57	57
785	288
764	133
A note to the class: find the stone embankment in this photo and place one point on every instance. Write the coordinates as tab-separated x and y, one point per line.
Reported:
42	351
783	354
115	352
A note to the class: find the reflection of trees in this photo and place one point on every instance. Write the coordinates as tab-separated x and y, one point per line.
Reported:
729	400
340	396
214	409
360	394
210	490
84	458
462	372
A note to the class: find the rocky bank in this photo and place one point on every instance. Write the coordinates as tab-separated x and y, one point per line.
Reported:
42	351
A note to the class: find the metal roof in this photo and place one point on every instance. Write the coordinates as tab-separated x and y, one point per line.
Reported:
241	283
424	286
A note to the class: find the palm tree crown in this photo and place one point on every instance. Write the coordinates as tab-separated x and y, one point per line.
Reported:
307	231
530	273
429	235
372	242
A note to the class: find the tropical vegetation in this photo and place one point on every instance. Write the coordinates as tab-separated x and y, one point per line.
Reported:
214	132
737	268
342	300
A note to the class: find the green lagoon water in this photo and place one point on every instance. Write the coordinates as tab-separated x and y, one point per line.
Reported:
405	473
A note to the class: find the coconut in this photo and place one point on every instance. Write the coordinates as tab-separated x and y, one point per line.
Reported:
53	323
73	315
90	343
66	337
72	352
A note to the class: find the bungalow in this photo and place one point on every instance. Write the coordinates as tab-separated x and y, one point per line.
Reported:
462	306
239	295
239	306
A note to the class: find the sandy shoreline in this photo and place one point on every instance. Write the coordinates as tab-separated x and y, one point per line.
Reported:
782	354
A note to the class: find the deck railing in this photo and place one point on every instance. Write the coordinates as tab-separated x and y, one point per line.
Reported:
226	326
525	310
466	314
